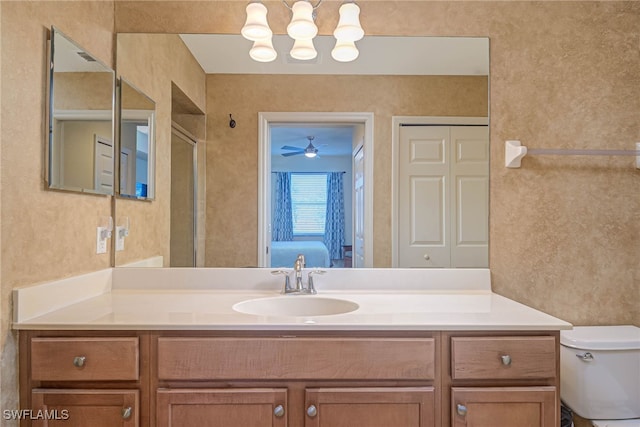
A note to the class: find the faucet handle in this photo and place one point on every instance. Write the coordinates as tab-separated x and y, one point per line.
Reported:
287	281
311	288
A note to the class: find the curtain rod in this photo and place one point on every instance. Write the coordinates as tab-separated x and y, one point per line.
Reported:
514	152
308	173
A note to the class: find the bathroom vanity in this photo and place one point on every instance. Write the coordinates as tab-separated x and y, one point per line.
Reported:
135	356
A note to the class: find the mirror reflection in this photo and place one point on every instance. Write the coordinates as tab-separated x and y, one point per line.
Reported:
137	143
80	140
236	215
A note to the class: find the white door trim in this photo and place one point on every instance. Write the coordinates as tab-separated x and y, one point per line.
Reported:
396	121
265	119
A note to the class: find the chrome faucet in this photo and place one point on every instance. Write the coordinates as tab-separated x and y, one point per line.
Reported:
299	289
298	266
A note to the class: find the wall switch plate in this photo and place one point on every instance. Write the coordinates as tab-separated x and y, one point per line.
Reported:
120	238
101	244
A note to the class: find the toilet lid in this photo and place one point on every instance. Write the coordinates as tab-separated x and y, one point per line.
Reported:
616	423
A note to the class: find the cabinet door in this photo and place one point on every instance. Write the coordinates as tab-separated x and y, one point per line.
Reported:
222	408
81	408
370	407
504	406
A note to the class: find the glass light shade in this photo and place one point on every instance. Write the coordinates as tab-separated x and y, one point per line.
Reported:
256	26
345	51
349	28
310	155
303	50
302	26
263	51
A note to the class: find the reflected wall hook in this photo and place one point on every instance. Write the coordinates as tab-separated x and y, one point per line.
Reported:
232	123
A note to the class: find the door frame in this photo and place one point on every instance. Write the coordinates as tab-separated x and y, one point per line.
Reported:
396	122
265	120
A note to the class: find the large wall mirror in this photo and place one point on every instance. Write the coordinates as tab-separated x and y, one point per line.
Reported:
137	143
407	77
80	119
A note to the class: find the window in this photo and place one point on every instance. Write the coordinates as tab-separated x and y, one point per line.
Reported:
308	203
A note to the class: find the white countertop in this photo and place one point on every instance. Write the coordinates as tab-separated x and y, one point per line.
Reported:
177	301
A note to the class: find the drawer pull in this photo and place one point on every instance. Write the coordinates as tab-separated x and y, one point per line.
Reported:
126	412
461	409
312	411
586	357
78	361
506	360
279	411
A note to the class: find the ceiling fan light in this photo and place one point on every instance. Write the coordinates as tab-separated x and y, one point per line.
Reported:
310	155
302	26
263	51
256	26
349	28
345	51
303	50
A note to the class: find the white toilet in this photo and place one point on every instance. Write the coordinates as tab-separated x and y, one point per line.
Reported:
600	374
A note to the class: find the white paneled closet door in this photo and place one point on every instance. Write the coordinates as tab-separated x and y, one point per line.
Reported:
443	176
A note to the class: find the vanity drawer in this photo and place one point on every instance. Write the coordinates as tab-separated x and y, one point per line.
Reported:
84	359
531	357
296	358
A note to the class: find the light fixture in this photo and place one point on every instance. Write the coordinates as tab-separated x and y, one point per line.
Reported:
303	29
303	50
310	151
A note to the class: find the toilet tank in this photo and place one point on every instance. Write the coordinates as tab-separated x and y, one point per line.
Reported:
600	371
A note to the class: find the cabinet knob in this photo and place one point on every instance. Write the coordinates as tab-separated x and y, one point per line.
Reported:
312	411
126	412
278	411
461	410
506	360
427	257
78	361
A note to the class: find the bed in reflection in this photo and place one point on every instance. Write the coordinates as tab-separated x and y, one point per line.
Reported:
284	254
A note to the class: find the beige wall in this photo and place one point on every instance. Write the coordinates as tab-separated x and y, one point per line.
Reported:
45	234
152	62
232	154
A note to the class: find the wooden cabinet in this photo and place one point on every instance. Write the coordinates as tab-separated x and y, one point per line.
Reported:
504	406
82	408
370	407
222	408
291	379
503	380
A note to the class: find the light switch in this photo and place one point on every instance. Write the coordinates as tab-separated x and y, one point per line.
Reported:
120	235
101	240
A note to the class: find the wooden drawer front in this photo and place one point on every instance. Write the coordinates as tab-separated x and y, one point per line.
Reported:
82	408
59	359
371	407
258	407
295	358
503	357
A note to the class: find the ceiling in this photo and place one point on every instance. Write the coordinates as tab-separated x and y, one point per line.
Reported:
329	139
381	55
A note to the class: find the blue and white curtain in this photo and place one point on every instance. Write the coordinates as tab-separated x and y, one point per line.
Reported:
282	215
334	228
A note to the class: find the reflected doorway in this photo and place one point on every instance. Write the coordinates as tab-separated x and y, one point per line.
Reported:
183	198
362	213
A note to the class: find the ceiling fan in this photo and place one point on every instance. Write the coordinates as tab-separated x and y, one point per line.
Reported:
310	151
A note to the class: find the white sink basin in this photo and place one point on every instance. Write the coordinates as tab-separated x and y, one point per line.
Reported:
296	305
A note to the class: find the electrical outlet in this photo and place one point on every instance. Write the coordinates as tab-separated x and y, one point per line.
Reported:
101	244
120	238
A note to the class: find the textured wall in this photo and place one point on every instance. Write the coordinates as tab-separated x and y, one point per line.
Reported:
152	62
564	232
232	154
45	234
